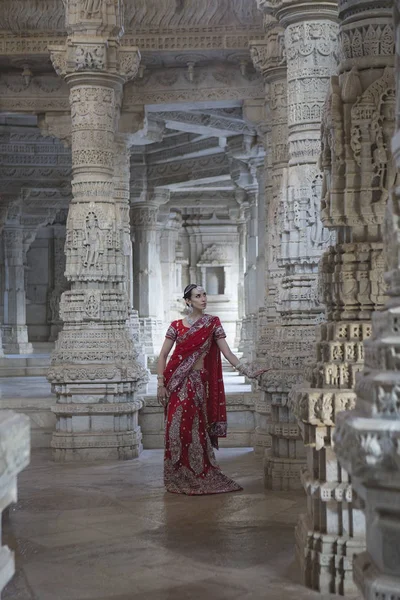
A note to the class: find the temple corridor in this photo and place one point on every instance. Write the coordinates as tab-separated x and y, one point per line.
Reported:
111	532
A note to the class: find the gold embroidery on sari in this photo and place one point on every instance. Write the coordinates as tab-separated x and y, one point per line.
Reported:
195	452
175	444
182	394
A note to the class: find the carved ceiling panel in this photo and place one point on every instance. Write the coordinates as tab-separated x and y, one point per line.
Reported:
140	15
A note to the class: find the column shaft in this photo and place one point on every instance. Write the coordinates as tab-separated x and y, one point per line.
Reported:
15	331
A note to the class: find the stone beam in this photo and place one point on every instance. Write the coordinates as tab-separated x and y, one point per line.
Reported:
212	83
47	92
182	200
204	124
204	169
185	146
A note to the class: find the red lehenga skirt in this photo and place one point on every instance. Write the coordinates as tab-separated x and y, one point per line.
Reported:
190	466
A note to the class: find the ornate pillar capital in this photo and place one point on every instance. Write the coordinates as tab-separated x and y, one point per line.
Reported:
295	11
269	54
93	46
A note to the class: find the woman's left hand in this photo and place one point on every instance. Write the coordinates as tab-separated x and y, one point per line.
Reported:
252	371
162	396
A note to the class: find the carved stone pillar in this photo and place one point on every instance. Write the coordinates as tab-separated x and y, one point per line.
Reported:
14	329
14	457
148	291
246	157
171	267
367	439
248	337
94	370
277	428
358	124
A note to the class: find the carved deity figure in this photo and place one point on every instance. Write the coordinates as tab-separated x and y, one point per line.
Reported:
93	241
319	234
91	8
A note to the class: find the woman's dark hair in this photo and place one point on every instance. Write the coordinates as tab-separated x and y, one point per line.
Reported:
188	290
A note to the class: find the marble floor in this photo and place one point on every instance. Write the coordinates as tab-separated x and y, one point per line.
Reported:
111	532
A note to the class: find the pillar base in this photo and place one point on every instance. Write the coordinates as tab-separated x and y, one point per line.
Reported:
326	560
15	339
282	474
96	446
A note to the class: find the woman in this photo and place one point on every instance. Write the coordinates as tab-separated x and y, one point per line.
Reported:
191	389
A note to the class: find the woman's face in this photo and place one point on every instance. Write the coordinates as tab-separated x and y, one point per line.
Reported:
198	299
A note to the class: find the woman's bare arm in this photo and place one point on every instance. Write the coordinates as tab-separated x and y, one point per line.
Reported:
162	359
250	370
227	352
161	364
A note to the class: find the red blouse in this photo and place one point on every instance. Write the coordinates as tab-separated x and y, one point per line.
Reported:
177	329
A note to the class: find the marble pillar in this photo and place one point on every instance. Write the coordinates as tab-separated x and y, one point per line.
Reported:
14	456
148	289
357	127
171	258
249	321
367	439
277	435
14	329
94	370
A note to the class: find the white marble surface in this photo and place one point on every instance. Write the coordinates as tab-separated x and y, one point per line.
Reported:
111	532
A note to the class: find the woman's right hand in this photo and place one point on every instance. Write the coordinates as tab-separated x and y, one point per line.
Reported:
162	396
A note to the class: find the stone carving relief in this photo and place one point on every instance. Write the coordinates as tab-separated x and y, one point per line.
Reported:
214	255
357	126
172	14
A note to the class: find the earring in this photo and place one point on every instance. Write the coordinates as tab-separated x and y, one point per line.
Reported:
188	309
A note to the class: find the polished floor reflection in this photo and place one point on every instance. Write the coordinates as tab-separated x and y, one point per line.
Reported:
110	532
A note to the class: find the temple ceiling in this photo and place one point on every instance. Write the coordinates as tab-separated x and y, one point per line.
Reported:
185	104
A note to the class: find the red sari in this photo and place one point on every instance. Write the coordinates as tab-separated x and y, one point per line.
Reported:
196	411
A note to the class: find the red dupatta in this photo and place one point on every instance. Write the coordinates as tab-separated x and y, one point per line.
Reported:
199	341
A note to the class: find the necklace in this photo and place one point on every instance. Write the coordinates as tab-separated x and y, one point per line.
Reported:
192	320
